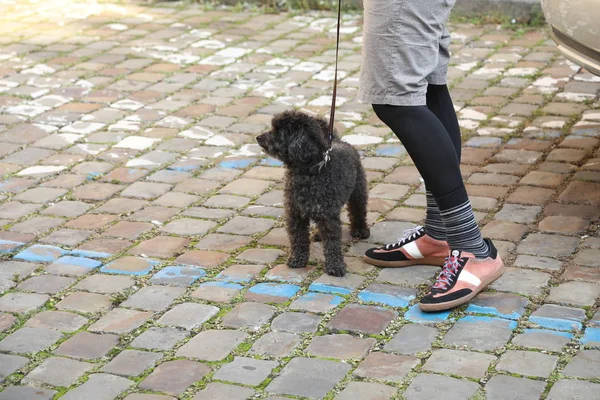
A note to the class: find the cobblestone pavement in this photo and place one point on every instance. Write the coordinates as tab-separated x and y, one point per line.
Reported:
142	246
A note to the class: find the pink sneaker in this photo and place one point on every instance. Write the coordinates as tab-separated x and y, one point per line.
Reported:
414	247
463	276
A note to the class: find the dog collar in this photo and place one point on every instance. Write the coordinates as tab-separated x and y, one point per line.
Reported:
326	159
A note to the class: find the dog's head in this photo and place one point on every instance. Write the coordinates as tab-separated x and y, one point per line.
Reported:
297	139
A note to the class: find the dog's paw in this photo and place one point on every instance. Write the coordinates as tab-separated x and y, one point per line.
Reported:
297	262
336	269
317	237
363	233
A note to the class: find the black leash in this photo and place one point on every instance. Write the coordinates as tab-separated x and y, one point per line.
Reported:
335	77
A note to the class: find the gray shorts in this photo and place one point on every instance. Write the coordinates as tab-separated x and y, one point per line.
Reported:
405	47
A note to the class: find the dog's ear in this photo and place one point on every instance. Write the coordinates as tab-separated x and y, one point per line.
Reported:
307	142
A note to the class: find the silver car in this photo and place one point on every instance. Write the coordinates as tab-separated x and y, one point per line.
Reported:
575	27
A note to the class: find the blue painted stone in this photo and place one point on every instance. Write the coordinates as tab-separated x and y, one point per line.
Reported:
188	165
483	141
557	317
556	323
8	246
316	302
384	298
178	275
40	253
93	175
503	305
89	254
137	266
78	261
275	289
271	162
591	337
390	150
415	314
239	163
323	288
492	311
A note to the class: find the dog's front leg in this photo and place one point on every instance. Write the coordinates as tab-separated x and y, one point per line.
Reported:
299	236
331	232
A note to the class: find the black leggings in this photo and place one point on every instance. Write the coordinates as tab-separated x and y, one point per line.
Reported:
431	136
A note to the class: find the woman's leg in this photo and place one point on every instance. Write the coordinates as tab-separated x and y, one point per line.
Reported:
433	152
440	103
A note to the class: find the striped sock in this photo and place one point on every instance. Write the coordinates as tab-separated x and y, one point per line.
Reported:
434	225
461	228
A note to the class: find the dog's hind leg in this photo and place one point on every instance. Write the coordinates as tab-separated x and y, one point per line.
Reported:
299	236
357	208
331	232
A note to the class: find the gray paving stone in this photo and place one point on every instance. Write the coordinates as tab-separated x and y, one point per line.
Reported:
87	346
120	320
542	339
386	367
174	377
461	363
536	262
144	396
188	315
412	339
518	213
308	377
573	389
26	392
6	322
427	386
366	391
539	244
522	281
9	364
575	293
222	391
57	371
153	298
246	371
212	345
46	284
101	387
29	340
58	320
159	338
276	344
295	322
412	276
502	387
362	319
248	315
85	302
527	363
131	362
22	302
341	346
586	364
107	284
480	333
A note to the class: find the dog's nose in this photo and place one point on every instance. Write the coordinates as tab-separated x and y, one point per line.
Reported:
260	139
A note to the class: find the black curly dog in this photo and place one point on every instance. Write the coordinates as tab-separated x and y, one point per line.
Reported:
315	190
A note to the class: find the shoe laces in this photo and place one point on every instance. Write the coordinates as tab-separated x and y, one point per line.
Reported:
408	236
450	269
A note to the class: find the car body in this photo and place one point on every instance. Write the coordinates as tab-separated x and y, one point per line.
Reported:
575	27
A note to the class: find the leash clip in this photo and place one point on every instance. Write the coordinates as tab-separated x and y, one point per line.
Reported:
326	159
